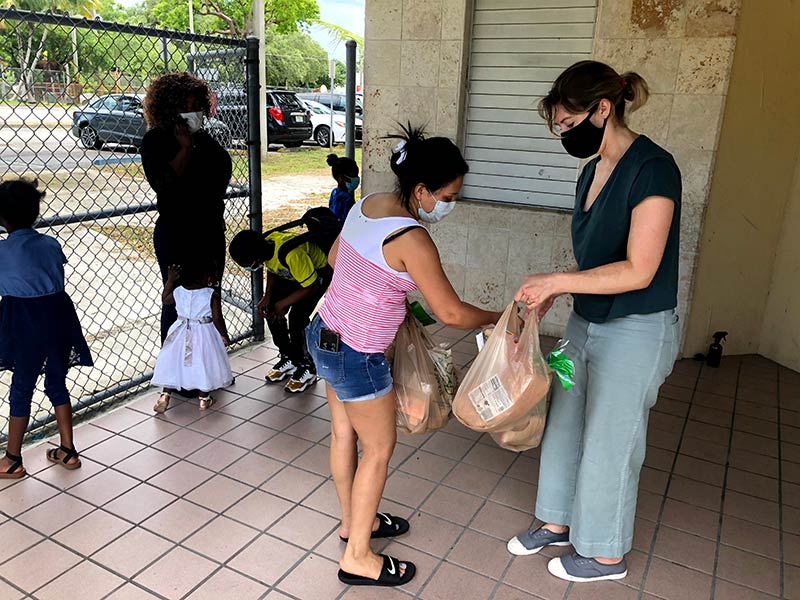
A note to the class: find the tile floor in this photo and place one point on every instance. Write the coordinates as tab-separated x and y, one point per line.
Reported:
237	503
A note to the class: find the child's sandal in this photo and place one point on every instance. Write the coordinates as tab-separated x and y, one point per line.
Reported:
16	470
206	402
69	453
162	404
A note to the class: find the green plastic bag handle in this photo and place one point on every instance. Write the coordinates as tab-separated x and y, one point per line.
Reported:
562	365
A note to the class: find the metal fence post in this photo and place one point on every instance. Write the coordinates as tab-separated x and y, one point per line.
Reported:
254	156
165	53
350	100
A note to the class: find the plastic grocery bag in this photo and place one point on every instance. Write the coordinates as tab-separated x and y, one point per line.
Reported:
424	379
506	389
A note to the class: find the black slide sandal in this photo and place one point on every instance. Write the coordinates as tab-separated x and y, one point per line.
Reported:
389	577
388	527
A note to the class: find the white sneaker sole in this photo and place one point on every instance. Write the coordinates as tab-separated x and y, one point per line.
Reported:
516	548
299	390
276	379
557	570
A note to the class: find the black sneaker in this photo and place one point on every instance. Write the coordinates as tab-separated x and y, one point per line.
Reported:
281	370
304	377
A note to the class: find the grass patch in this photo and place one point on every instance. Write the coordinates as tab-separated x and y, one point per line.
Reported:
301	161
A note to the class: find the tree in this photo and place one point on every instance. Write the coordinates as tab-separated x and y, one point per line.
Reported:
296	60
339	35
233	17
30	38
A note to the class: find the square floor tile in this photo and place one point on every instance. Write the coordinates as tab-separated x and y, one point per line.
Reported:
87	435
407	489
293	484
695	492
754	443
221	539
501	521
244	408
750	570
477	552
216	424
182	443
489	458
24	495
145	464
700	470
228	584
447	444
64	479
452	505
685	549
267	559
668	580
525	469
50	561
55	514
602	591
103	487
245	385
9	593
428	465
755	426
259	510
506	592
16	538
752	509
791	548
709	451
151	431
178	520
451	581
217	455
514	493
431	534
791	582
725	590
751	537
752	484
284	447
132	552
253	469
219	493
315	578
310	428
86	581
177	573
691	519
119	420
113	450
181	478
472	479
325	500
92	532
139	503
303	527
249	435
530	575
316	459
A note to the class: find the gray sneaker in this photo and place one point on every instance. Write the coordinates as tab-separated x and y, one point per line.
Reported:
580	569
530	542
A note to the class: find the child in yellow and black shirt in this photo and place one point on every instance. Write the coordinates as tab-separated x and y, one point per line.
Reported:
296	281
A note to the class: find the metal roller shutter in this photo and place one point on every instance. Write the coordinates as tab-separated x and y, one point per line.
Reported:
518	48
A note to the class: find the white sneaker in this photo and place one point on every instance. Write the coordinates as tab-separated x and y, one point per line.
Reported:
281	370
302	379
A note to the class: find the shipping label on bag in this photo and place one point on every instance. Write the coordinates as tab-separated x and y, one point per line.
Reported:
490	399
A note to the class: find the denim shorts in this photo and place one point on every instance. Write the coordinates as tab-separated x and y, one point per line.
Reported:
354	376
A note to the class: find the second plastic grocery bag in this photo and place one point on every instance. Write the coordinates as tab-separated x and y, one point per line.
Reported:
505	391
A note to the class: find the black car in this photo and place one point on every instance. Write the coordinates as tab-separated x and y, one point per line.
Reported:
119	119
339	101
288	121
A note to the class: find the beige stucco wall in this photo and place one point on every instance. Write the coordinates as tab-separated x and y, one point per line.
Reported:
416	69
780	333
753	179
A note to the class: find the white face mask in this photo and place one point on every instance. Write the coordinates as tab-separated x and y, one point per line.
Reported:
439	212
194	120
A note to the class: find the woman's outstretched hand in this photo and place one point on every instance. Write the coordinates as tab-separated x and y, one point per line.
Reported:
538	292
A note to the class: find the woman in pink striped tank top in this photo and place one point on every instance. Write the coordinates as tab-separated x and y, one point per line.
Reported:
383	253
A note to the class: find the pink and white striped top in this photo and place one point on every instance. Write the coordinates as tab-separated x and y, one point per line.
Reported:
366	301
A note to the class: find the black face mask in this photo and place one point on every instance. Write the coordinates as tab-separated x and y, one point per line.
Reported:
584	140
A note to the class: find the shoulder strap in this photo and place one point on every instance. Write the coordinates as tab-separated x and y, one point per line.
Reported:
292	244
400	233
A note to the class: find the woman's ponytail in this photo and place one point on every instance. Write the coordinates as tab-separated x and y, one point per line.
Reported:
634	90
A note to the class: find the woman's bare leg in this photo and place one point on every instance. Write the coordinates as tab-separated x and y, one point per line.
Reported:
343	457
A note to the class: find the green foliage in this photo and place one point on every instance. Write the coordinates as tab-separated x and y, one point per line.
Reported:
294	60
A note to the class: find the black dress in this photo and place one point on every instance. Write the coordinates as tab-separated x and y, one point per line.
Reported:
190	229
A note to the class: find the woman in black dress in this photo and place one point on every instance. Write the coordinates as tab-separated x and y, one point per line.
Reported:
189	172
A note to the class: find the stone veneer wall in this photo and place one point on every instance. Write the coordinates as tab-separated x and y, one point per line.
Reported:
415	69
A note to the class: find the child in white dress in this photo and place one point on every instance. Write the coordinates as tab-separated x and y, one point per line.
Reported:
193	356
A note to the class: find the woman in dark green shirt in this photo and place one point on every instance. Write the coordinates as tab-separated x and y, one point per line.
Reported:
623	333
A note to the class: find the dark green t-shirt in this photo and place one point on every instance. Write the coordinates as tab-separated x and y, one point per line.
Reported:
600	235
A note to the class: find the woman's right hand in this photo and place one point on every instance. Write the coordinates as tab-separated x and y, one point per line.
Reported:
183	135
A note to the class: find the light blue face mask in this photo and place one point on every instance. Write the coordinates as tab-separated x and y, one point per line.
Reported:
440	210
353	184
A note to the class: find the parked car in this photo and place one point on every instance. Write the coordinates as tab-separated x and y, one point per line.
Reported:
119	119
321	120
339	101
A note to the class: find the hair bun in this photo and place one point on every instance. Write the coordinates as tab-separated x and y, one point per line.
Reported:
332	159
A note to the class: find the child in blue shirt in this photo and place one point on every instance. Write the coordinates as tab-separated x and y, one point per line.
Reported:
39	328
345	172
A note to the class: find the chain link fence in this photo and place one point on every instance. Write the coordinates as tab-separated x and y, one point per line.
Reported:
77	131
